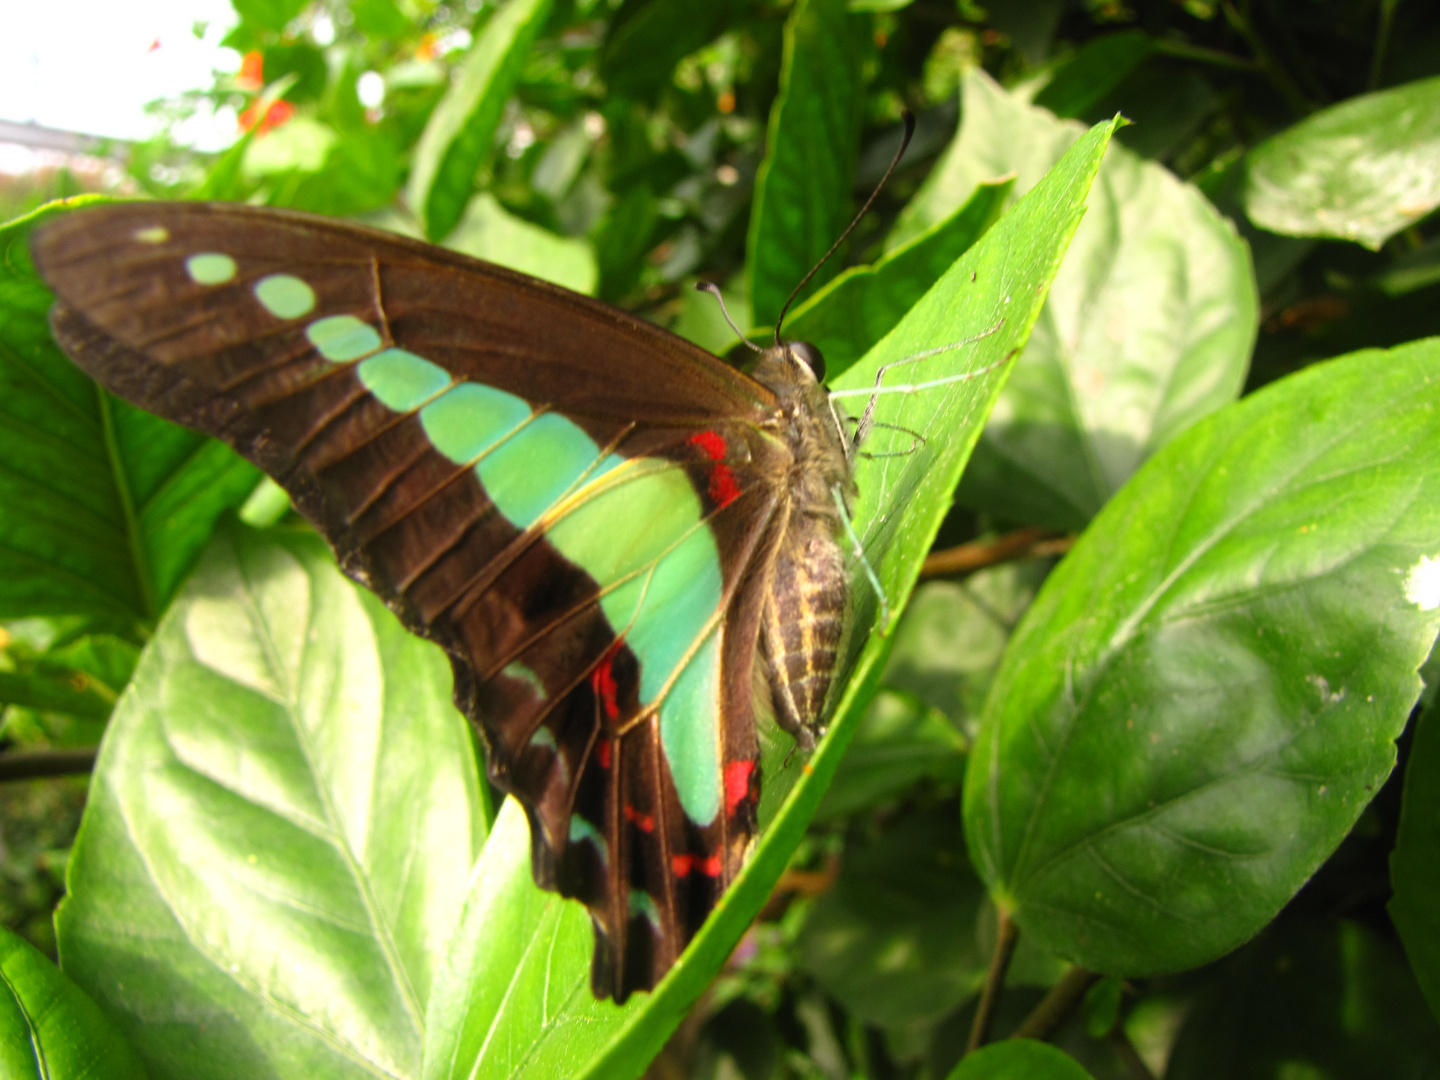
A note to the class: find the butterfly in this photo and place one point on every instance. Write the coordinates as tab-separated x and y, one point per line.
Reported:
627	547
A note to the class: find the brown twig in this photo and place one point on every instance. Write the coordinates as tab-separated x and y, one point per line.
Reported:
1007	934
1058	1004
978	554
31	764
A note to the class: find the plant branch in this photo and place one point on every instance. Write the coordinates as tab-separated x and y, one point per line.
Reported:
32	764
978	554
1057	1005
1268	65
1007	934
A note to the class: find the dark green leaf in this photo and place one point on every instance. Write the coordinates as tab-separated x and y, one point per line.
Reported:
1149	325
49	1029
1321	1001
802	193
1207	690
506	1036
893	940
1361	170
272	15
360	174
1415	862
458	138
280	828
1019	1059
488	231
849	315
303	64
642	49
54	693
1099	66
103	508
623	240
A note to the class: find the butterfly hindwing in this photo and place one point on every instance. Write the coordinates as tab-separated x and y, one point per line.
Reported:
579	507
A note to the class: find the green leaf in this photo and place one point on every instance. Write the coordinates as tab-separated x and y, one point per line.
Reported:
280	828
893	940
642	49
802	193
1207	690
1361	170
1096	69
49	1029
1019	1059
1149	324
1309	1001
458	138
1414	865
379	18
488	231
53	693
849	315
103	508
272	15
298	145
480	1037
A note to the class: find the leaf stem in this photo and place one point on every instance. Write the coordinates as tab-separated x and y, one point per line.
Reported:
1266	62
1027	543
34	764
1058	1004
1006	936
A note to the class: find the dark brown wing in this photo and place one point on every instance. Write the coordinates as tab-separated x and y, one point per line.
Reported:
364	371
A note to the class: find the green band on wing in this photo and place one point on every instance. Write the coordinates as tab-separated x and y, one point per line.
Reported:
581	830
285	296
690	736
470	419
531	470
342	338
401	380
517	670
210	268
641	904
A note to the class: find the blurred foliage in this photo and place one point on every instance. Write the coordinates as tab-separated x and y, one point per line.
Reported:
622	159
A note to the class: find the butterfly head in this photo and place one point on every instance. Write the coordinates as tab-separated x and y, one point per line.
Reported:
791	363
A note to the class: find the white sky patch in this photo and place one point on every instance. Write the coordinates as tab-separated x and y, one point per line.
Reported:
1422	583
92	65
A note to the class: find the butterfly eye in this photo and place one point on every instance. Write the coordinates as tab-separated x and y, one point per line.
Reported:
810	356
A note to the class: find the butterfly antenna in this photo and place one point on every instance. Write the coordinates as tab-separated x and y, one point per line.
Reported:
714	290
909	118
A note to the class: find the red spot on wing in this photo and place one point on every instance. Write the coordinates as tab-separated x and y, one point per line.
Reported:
724	489
737	784
644	822
602	753
684	865
602	681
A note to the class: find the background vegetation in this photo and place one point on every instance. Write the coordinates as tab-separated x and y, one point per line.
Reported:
1169	756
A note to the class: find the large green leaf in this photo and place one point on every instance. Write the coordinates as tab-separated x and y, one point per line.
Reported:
644	45
1415	862
103	508
893	940
1149	324
1206	692
49	1029
1330	1000
849	315
488	231
802	193
459	135
487	1030
1019	1059
280	828
1361	170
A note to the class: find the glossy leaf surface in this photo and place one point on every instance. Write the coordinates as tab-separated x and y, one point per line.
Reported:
1019	1059
280	828
1361	170
1415	862
49	1029
103	508
802	197
458	136
1207	690
902	503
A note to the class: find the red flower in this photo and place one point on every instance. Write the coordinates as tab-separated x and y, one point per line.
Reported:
275	115
252	71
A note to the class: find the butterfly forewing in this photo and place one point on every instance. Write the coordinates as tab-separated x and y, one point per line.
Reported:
579	507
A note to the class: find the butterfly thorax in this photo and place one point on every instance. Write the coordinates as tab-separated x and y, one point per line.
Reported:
806	605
